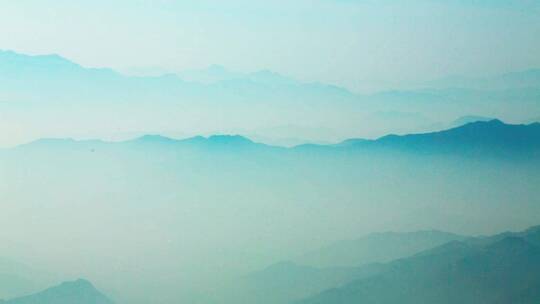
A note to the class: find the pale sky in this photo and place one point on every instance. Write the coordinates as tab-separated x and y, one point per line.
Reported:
364	45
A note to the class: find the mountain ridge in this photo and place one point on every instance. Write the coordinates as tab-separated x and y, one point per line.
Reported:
493	136
16	63
502	270
79	291
377	247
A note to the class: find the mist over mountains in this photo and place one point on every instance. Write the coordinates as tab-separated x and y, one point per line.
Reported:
376	248
79	291
333	265
270	152
501	268
176	219
207	218
482	137
265	105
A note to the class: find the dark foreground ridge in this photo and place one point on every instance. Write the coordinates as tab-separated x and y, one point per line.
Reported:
499	269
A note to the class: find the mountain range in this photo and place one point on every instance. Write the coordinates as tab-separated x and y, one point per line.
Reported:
53	74
376	248
79	291
492	137
480	137
18	279
332	266
153	196
500	269
62	93
444	268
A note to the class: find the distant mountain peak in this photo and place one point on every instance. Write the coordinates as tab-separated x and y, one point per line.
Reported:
217	140
79	291
493	137
82	285
53	140
61	142
493	121
46	59
455	272
468	119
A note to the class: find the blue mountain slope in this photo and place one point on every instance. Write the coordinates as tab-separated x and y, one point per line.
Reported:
461	121
482	137
503	270
286	282
51	78
333	266
376	248
80	292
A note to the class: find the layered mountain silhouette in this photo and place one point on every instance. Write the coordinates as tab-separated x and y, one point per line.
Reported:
58	78
478	138
159	144
492	137
333	266
467	120
498	269
286	282
347	187
79	291
435	261
61	91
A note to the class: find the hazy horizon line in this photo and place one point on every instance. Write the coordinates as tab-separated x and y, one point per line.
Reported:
250	138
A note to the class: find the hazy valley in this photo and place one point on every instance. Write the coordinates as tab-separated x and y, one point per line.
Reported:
170	216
